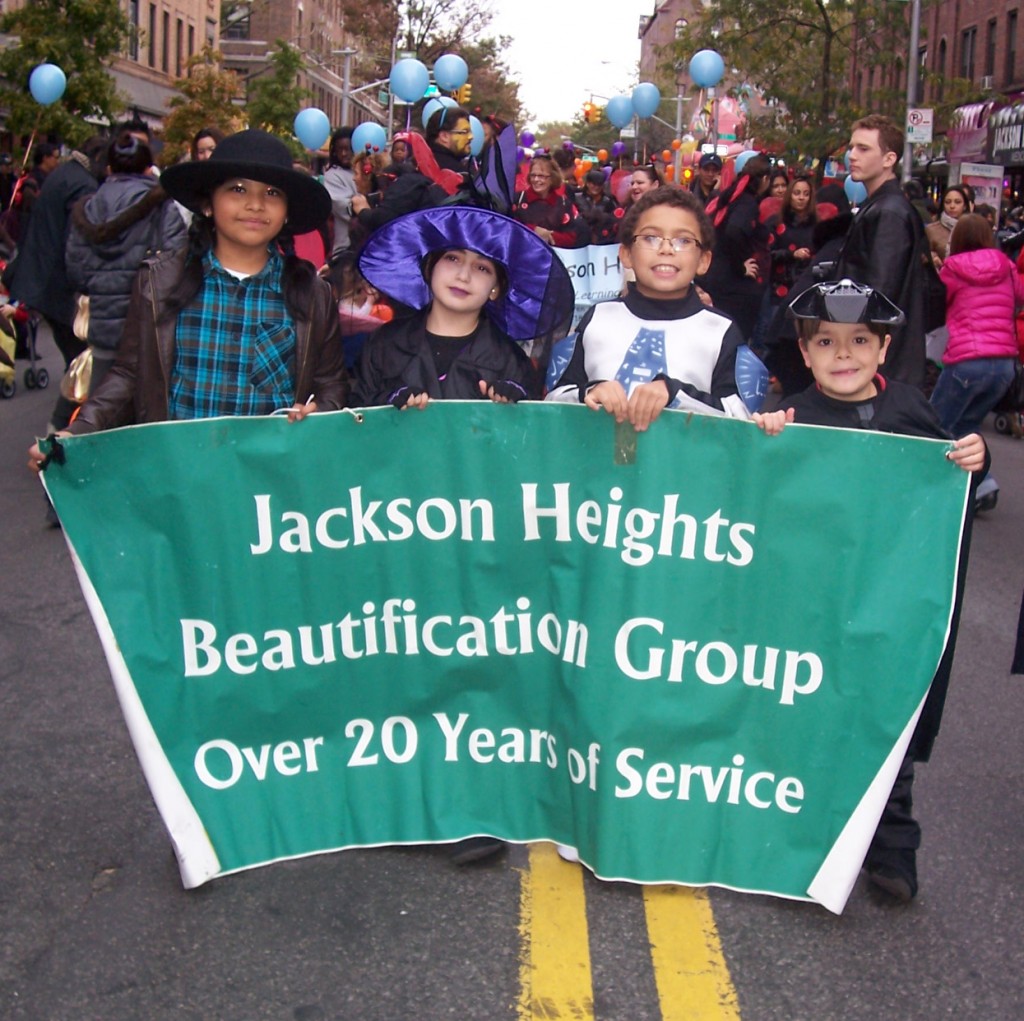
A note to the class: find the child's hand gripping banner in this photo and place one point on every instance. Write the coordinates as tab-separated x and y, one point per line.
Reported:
696	654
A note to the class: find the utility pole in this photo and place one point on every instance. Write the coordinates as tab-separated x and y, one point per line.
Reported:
346	79
912	76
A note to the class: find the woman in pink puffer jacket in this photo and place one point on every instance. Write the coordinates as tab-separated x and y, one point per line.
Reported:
983	292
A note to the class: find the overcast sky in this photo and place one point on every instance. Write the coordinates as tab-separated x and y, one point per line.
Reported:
564	50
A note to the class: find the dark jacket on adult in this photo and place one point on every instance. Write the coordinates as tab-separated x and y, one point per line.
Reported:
603	216
405	192
399	355
740	236
557	213
782	353
786	236
127	220
886	249
136	388
39	277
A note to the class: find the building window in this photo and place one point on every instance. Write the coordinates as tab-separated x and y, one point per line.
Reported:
165	43
990	48
179	46
133	29
940	70
968	38
680	27
922	66
1011	47
237	24
211	33
151	40
191	40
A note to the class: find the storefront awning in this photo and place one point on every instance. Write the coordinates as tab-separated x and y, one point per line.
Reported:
1006	136
968	132
149	98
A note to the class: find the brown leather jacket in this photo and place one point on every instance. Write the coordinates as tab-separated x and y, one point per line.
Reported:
136	388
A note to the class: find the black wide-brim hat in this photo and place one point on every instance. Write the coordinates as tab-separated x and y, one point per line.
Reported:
845	301
539	296
256	156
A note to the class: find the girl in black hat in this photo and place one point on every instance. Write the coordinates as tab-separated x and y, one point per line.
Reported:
235	324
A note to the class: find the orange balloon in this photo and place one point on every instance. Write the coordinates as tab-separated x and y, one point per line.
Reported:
666	156
602	155
676	143
578	161
670	172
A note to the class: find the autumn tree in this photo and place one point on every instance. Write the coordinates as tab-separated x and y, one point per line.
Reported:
206	99
82	37
494	89
275	97
804	57
429	29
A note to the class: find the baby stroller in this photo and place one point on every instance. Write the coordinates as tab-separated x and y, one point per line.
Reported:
7	348
23	325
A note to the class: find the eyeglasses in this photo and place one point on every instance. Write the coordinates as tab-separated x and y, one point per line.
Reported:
655	241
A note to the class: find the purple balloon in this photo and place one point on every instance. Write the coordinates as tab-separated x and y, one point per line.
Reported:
526	139
568	145
607	171
520	154
618	148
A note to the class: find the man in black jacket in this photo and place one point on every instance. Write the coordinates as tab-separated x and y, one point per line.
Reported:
886	248
38	277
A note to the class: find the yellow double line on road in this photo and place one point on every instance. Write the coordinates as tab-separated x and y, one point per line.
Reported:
555	982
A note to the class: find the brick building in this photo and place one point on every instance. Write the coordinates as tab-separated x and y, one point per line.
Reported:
163	35
316	28
982	42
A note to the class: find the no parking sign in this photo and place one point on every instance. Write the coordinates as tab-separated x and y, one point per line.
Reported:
919	125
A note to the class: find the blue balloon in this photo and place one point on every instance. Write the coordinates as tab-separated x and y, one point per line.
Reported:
450	72
47	84
312	127
855	191
369	137
846	160
646	99
409	79
432	105
476	145
741	160
706	68
619	111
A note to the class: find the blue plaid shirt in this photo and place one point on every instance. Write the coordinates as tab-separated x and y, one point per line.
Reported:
234	346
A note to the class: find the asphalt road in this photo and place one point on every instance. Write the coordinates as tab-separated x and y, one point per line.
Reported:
94	923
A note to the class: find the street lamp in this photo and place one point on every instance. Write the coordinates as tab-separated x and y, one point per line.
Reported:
706	70
348	53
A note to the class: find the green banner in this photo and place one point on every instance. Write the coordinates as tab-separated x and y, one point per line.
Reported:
696	654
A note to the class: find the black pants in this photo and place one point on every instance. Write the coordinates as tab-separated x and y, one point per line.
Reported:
897	829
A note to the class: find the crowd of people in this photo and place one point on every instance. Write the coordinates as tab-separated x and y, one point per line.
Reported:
238	283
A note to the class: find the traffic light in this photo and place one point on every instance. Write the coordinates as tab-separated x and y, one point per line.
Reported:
588	112
595	114
465	95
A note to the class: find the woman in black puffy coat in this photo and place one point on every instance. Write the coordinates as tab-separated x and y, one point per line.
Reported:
112	232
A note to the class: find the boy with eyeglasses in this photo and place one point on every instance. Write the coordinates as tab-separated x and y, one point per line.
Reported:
658	345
